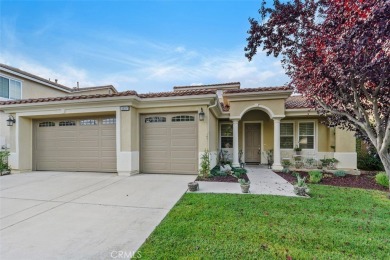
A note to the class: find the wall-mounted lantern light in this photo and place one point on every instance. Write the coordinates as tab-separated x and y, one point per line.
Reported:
201	115
11	121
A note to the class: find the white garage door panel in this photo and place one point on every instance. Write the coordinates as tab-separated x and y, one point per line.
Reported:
169	146
75	147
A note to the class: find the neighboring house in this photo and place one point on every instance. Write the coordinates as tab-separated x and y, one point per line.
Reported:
166	132
16	84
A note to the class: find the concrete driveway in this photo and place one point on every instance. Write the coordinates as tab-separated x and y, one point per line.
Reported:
77	215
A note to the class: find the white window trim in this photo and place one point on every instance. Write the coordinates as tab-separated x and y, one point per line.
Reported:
262	159
220	134
15	79
294	134
315	122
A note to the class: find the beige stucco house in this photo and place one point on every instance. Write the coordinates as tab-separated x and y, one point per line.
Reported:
16	84
67	129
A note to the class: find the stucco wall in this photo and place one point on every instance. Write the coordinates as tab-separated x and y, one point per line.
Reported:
239	108
345	141
4	130
31	89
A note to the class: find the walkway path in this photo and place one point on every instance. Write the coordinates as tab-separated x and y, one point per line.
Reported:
263	181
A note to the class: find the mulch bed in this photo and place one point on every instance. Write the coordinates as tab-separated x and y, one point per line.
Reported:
227	178
366	180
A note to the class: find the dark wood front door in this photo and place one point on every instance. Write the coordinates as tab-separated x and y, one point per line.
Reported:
252	142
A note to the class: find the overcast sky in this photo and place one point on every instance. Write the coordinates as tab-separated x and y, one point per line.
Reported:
146	46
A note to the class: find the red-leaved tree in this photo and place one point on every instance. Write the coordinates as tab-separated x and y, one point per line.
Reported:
337	54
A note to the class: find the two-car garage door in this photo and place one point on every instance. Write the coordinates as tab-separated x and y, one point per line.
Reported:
76	144
169	143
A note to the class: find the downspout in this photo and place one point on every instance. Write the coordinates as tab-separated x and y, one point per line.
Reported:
208	122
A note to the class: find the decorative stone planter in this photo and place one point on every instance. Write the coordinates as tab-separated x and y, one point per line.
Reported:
193	186
298	152
245	188
6	172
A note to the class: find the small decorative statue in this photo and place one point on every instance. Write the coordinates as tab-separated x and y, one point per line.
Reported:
242	164
270	157
221	158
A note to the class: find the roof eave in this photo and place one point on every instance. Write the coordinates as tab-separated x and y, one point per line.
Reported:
62	88
259	94
300	112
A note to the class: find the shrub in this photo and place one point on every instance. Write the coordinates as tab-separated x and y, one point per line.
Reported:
367	157
339	173
315	176
382	179
4	166
244	182
205	164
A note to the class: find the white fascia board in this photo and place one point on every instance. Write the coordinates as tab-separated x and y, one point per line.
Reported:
78	102
125	100
301	112
176	101
259	95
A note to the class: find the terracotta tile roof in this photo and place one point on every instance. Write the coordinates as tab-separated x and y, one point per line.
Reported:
190	92
65	98
261	89
208	85
75	90
34	76
297	102
120	94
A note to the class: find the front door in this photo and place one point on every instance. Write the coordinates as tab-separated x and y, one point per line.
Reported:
252	142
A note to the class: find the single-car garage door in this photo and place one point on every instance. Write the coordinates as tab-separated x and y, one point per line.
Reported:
82	144
169	143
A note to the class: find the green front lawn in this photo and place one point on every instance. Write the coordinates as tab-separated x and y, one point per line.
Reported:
336	223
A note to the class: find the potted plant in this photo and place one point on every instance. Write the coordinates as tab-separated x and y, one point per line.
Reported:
300	188
297	150
319	166
298	162
324	162
332	163
286	165
245	185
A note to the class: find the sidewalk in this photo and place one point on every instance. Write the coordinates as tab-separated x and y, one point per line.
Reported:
263	181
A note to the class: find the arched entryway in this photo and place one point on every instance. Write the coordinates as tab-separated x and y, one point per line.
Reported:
256	132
